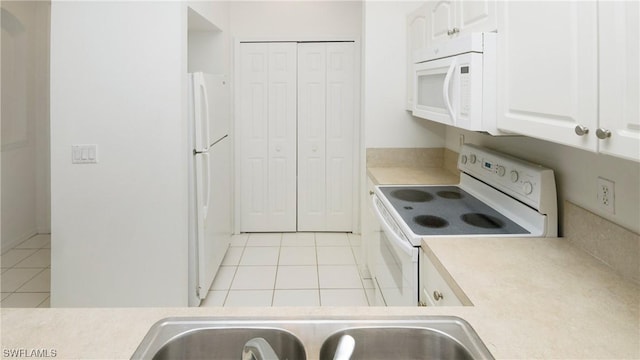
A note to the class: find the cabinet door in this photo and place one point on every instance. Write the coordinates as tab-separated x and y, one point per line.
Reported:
620	78
268	136
434	290
416	40
476	16
441	18
547	70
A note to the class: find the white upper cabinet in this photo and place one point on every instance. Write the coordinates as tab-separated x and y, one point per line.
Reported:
573	81
477	16
447	19
548	71
619	121
441	21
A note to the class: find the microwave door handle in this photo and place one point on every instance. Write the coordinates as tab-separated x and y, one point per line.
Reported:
445	90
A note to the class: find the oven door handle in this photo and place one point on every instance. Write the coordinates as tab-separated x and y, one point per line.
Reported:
394	239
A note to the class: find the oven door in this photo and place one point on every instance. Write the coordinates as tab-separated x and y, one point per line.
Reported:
396	263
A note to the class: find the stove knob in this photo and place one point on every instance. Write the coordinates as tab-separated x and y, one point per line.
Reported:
501	171
514	176
463	159
528	187
472	158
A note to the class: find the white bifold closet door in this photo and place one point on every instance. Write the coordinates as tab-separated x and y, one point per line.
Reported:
297	112
267	114
326	109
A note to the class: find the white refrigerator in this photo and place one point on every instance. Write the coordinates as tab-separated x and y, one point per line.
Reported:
209	180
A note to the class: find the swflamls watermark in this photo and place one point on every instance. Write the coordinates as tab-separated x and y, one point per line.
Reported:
29	353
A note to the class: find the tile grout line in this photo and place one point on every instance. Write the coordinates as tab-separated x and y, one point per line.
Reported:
13	267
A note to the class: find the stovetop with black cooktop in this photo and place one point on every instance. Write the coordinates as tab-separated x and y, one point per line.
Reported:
447	210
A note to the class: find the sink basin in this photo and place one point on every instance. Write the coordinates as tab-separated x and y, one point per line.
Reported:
442	337
397	343
204	338
227	343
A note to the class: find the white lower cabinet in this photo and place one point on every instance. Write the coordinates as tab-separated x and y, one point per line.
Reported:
434	290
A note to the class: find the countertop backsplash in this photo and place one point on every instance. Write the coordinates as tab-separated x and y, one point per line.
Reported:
610	243
407	157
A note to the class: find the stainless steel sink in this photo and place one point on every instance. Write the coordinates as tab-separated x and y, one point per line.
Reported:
228	343
397	343
436	337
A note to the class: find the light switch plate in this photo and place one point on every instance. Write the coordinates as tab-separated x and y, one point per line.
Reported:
84	154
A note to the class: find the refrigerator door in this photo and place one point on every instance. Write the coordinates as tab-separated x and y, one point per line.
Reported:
217	92
213	191
204	243
201	112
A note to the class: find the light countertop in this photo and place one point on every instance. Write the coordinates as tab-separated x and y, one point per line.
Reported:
533	298
542	298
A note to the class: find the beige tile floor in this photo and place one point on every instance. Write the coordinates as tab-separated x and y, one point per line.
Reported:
26	273
291	269
274	269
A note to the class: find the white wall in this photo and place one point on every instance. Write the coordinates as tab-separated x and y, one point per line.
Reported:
25	122
387	124
294	20
119	227
209	42
576	172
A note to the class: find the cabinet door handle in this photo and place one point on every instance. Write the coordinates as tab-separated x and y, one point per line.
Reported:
602	133
453	31
581	130
370	192
437	295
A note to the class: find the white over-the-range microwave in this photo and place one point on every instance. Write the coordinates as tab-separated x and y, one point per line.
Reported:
455	83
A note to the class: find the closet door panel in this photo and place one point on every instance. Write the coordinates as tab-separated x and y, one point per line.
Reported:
311	136
267	114
282	136
340	105
254	136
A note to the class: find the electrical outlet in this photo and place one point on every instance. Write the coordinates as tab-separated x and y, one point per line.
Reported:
606	195
461	140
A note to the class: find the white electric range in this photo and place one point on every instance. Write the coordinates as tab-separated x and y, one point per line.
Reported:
498	195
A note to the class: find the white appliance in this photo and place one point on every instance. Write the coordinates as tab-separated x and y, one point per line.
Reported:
455	83
498	196
209	180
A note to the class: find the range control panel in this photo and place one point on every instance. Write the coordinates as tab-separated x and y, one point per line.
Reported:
530	183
